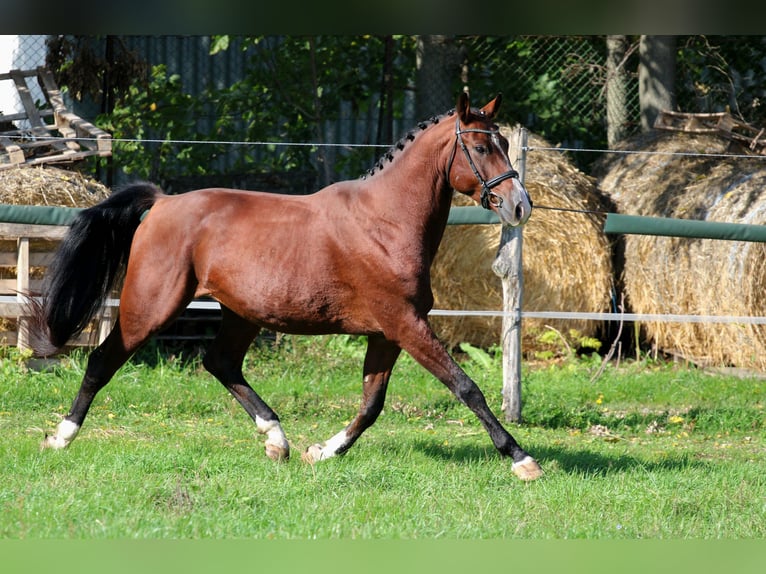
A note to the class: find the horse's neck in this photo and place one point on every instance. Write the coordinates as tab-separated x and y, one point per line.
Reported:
413	186
413	195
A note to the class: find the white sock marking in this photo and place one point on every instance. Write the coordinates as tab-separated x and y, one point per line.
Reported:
65	433
273	431
331	446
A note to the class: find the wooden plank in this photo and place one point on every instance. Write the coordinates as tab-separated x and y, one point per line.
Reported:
22	286
24	73
85	129
25	96
16	230
36	258
8	338
67	157
9	310
15	153
45	78
9	286
69	124
23	116
86	339
55	99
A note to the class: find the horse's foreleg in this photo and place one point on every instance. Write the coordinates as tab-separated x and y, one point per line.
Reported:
378	363
420	342
103	363
224	360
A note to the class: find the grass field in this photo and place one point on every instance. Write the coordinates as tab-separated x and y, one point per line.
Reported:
647	450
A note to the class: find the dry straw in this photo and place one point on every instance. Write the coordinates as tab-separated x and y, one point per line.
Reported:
567	261
693	276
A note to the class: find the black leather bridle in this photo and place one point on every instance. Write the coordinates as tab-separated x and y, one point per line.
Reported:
489	198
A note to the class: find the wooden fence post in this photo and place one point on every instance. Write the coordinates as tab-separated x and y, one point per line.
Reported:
22	288
508	265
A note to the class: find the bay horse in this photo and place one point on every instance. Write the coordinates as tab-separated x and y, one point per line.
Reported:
353	257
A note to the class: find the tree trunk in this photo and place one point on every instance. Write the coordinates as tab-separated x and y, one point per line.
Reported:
616	89
656	77
386	115
439	68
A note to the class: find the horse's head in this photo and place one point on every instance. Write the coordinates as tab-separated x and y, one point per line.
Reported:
483	170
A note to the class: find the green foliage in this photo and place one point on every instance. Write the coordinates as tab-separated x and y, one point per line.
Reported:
538	87
718	73
552	343
291	90
160	111
477	355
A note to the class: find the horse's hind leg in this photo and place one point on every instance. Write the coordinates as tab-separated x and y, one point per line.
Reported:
150	299
378	363
224	360
103	363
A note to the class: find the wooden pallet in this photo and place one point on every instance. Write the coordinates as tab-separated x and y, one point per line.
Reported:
721	123
54	134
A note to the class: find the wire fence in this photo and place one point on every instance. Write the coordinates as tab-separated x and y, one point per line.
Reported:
567	315
553	85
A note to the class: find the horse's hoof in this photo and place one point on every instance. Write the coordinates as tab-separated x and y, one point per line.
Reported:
527	469
313	454
51	441
277	453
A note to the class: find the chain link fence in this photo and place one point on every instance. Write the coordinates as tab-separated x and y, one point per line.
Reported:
554	85
20	53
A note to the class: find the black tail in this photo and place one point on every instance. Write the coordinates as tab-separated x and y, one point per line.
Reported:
87	265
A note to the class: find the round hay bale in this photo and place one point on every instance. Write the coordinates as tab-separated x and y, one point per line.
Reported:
43	186
693	276
567	263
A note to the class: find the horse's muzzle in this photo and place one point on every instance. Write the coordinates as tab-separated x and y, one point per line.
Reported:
517	207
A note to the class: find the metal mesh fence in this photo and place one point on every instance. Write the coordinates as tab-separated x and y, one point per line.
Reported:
554	85
21	53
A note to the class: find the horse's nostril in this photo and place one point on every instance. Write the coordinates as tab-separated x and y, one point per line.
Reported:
519	211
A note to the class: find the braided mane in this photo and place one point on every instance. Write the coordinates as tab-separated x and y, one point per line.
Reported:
392	152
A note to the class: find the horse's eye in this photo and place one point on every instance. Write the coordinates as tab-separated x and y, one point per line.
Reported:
481	149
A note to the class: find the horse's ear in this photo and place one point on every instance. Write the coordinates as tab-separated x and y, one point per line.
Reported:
491	108
463	107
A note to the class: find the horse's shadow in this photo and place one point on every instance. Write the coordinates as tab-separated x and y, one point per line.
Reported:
579	461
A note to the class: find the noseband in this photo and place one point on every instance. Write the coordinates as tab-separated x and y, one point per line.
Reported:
489	198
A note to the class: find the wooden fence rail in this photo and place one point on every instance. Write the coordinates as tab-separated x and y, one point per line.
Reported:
25	259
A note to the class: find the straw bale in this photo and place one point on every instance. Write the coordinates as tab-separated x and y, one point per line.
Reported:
567	264
693	276
49	186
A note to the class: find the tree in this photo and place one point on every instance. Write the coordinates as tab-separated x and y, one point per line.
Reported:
656	77
439	67
616	89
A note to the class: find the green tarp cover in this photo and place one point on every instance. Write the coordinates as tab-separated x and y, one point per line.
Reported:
45	215
669	227
37	215
472	214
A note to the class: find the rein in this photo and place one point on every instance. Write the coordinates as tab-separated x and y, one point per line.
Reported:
489	198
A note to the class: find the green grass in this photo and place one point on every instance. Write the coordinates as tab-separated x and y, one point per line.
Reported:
646	451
